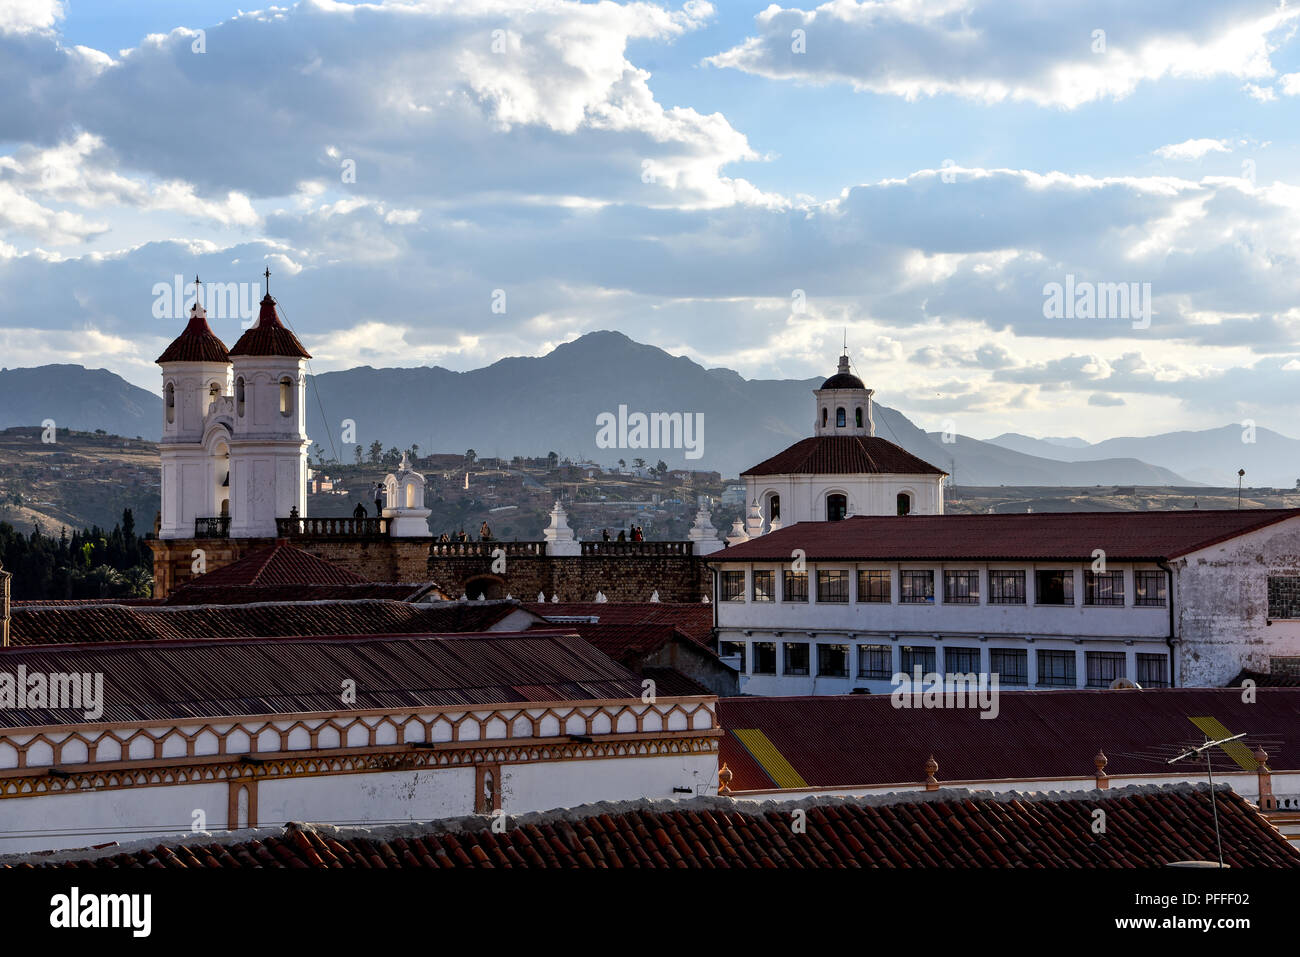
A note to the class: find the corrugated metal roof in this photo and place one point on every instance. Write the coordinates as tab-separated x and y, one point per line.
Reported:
1065	536
851	740
250	676
692	619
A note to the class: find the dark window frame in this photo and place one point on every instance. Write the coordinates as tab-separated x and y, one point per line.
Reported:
840	594
824	651
908	575
731	584
997	661
1099	588
956	576
763	574
1069	676
800	590
1141	597
1108	674
786	667
884	659
762	649
873	577
1067	587
998	578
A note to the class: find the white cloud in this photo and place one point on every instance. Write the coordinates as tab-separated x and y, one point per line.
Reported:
1052	55
1193	149
25	16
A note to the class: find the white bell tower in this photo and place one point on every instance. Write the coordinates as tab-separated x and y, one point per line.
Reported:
268	447
406	514
196	376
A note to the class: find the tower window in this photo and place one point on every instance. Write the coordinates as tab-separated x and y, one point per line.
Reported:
286	396
858	417
774	508
904	503
239	396
171	403
837	506
839	418
825	413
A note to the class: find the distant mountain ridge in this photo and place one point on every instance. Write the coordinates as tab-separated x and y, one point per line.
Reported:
532	405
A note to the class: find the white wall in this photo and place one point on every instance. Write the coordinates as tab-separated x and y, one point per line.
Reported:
382	797
541	787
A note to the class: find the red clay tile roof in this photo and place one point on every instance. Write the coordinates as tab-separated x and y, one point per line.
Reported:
42	624
196	343
844	455
152	681
1064	536
854	740
269	337
692	619
279	564
198	592
943	828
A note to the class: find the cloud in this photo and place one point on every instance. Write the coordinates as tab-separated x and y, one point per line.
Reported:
1192	149
1063	54
1105	400
29	16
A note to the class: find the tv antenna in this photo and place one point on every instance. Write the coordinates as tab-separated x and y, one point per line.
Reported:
1204	751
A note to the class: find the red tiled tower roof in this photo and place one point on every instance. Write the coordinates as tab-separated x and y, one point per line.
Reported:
196	343
269	337
841	455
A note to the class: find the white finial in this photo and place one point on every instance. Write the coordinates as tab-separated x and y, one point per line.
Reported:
541	597
464	597
555	599
482	597
655	596
509	597
600	598
705	599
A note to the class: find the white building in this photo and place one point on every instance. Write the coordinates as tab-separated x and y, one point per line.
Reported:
1049	600
242	732
844	468
234	445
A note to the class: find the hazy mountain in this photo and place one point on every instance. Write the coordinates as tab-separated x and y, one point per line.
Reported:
531	406
78	398
1209	456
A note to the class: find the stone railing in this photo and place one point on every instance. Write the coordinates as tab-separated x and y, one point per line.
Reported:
216	527
331	527
638	549
485	549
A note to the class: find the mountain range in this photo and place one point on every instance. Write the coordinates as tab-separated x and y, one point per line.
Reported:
534	405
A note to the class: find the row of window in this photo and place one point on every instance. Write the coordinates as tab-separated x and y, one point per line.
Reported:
1056	669
960	587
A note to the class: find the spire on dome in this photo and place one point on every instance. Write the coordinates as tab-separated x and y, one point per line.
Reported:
197	342
269	336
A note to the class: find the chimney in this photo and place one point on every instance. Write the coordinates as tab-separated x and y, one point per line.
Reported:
931	782
1100	760
1266	800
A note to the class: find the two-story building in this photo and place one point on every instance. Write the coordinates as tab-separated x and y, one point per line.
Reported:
1047	600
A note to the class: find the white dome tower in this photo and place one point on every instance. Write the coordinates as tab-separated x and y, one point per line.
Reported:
844	404
268	448
406	514
194	452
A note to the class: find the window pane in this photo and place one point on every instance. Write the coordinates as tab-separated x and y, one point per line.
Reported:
874	661
764	658
961	661
1103	588
916	586
1011	665
1006	587
910	656
795	586
873	585
832	586
1152	670
764	586
796	658
1056	669
1104	667
1283	596
1054	587
833	661
1149	588
733	585
961	587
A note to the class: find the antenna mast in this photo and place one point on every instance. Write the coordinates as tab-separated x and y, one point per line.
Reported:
1204	750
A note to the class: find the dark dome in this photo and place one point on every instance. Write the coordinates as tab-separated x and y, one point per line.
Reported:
843	380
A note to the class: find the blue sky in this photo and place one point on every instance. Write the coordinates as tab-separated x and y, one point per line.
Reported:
917	174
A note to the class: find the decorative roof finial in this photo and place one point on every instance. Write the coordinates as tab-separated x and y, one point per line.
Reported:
267	276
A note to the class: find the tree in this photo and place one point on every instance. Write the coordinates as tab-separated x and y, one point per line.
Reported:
552	459
320	454
662	468
638	463
376	450
358	453
622	463
470	456
415	451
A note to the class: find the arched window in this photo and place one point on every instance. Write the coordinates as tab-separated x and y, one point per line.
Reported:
859	417
824	414
410	495
904	504
837	506
239	396
171	403
839	418
774	508
286	396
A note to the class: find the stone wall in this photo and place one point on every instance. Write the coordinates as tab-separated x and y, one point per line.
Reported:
577	578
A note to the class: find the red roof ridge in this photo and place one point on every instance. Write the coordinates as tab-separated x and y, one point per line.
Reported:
196	343
844	454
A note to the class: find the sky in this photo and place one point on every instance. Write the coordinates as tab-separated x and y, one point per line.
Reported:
455	181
